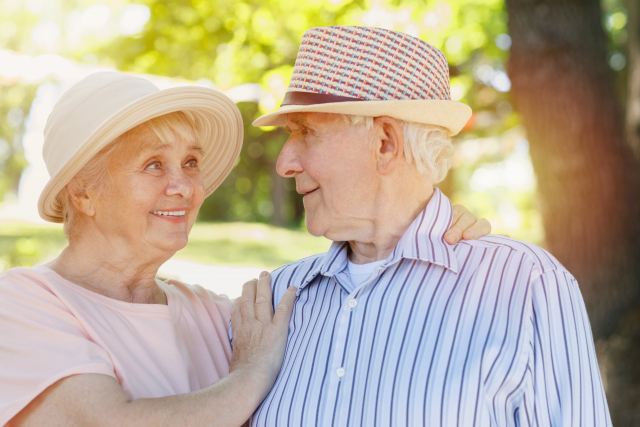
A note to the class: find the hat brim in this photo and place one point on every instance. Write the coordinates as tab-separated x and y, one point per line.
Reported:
451	115
216	117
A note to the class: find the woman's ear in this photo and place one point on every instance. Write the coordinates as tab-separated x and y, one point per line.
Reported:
389	144
81	199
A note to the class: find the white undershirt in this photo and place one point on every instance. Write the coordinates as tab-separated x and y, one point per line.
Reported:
360	273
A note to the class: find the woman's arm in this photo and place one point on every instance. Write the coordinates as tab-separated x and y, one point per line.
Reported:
259	342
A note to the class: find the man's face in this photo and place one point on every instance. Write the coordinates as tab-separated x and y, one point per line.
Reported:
334	165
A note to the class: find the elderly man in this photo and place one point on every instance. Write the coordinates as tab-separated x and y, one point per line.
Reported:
393	326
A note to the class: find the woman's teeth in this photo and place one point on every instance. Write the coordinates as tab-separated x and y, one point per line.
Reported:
172	213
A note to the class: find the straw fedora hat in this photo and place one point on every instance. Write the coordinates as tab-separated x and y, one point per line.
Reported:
104	105
370	72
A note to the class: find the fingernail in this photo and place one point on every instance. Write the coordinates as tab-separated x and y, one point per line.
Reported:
471	235
264	273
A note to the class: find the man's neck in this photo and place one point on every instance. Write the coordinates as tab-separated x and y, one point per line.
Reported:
391	222
112	269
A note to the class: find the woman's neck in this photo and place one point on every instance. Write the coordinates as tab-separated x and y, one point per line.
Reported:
115	272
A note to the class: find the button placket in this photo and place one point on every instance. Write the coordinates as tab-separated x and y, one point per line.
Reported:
338	371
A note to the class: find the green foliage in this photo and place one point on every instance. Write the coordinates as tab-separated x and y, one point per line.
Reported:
615	19
23	245
14	108
249	192
16	26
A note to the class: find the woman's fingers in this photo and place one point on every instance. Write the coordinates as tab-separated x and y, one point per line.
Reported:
458	211
283	311
248	301
263	307
481	228
466	220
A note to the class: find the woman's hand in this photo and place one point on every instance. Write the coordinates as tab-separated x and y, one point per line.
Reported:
465	225
259	334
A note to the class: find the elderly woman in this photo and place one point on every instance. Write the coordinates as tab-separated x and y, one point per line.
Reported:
92	337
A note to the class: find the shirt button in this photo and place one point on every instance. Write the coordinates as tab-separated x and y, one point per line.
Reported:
352	304
340	372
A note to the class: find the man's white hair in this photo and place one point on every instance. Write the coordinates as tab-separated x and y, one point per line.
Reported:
428	147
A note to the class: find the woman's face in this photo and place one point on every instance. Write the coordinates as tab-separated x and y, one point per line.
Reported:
155	194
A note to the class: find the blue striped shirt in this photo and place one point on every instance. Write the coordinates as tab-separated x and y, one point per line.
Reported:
491	332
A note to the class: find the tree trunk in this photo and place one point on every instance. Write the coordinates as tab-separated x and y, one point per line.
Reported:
587	178
633	103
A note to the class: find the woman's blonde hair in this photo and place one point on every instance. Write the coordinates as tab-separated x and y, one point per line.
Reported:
428	147
96	176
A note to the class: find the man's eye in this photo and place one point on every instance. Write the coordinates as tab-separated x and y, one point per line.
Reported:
154	165
192	163
305	132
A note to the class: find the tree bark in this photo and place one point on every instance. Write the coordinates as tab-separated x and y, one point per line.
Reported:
633	102
587	178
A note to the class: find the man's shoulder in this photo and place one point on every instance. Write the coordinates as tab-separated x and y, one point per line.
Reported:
549	282
294	273
543	260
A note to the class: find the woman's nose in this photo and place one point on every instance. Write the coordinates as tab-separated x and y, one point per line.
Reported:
289	162
179	183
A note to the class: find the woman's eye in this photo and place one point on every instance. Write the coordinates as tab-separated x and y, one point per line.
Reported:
305	132
154	165
192	163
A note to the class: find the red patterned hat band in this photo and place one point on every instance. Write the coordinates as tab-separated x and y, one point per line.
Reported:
311	98
369	64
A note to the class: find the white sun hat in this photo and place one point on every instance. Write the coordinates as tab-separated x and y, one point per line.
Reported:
370	72
104	105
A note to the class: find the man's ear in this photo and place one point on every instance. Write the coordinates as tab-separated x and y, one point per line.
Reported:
81	199
389	144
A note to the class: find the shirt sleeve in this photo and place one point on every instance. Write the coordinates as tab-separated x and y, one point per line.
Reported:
567	385
41	342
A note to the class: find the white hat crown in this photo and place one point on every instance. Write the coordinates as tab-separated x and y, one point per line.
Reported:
83	108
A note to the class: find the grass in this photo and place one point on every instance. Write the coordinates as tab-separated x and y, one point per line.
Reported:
23	245
249	244
237	244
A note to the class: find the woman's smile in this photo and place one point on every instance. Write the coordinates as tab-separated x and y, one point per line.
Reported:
171	215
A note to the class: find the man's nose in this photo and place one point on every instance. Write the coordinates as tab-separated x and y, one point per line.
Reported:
179	183
289	162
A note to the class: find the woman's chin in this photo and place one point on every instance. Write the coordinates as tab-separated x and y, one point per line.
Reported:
172	243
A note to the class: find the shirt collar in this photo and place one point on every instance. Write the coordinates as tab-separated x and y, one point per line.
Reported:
423	241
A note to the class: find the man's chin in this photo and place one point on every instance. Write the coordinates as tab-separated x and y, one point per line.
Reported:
314	228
